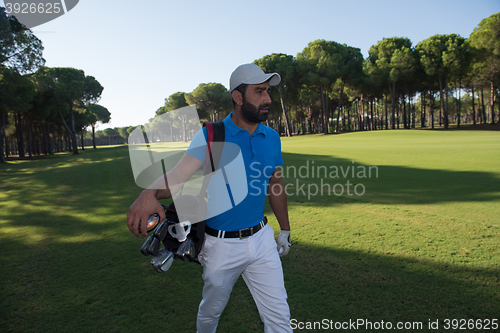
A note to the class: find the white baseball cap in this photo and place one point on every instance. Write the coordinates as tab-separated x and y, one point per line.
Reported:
251	74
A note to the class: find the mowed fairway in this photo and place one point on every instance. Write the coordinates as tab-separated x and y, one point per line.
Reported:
415	241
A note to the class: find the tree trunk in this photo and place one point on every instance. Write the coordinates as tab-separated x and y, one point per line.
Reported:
339	105
343	119
446	120
2	138
73	131
458	109
445	109
61	139
492	99
93	136
68	142
348	119
410	112
372	125
46	140
359	123
70	132
393	106
324	104
19	133
380	113
422	110
184	128
81	139
473	106
59	142
29	145
309	119
398	110
413	111
38	140
288	131
484	108
405	117
386	114
441	99
7	147
432	110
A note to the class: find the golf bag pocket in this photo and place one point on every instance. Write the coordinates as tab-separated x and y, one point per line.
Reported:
180	230
184	238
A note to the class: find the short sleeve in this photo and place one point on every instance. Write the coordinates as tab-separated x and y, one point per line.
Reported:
198	146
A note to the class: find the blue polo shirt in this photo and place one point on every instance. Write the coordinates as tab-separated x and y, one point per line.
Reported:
261	153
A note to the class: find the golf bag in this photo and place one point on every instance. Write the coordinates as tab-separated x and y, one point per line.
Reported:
181	239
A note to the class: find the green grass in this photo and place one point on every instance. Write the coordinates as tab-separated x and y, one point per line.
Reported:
421	243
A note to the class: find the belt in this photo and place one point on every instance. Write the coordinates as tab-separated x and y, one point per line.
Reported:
242	233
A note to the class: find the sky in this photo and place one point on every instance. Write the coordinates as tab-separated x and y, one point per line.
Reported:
142	52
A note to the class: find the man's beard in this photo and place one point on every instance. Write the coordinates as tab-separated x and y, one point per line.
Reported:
251	113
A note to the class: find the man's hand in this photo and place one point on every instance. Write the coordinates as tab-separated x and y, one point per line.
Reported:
145	205
284	242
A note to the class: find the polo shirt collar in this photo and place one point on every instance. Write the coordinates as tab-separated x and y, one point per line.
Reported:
234	129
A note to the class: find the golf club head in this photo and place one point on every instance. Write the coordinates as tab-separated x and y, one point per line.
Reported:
187	250
154	247
152	222
145	246
162	230
163	260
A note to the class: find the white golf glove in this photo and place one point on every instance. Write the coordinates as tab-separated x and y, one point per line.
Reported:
284	242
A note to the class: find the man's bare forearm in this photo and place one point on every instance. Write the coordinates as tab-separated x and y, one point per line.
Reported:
278	201
147	202
169	184
160	189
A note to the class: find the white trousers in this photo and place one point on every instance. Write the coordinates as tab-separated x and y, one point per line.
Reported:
257	260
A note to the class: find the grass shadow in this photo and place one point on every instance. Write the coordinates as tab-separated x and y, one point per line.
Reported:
107	286
383	184
70	264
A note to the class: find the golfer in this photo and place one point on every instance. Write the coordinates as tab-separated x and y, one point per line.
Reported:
239	241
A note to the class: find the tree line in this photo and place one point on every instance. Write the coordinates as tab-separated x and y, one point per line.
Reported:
327	88
42	110
330	87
